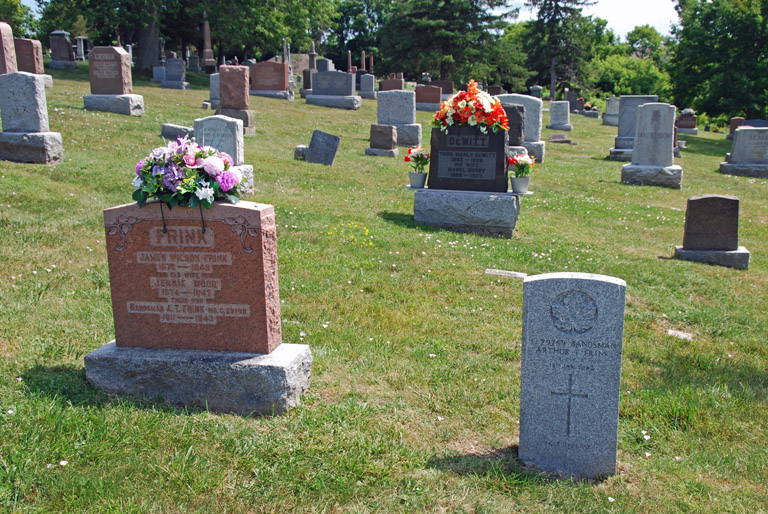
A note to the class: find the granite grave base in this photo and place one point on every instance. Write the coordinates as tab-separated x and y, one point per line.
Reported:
381	152
211	104
129	105
31	147
62	65
408	134
429	107
611	119
280	95
745	170
304	92
567	127
226	382
477	212
337	102
738	259
171	132
620	154
591	114
691	131
536	148
174	84
662	176
369	95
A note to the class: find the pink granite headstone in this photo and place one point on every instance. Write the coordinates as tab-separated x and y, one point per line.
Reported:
29	55
109	68
233	87
7	50
269	76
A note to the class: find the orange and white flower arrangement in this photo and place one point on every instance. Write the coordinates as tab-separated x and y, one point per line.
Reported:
418	157
472	107
521	165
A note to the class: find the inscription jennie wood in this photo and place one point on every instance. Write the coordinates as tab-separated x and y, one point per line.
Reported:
573	327
177	283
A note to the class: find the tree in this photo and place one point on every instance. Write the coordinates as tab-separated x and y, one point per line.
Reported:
720	65
18	16
442	37
646	43
629	75
554	34
357	28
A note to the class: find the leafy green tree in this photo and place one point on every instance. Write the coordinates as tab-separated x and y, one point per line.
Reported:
720	65
357	27
556	42
18	16
629	75
445	38
646	43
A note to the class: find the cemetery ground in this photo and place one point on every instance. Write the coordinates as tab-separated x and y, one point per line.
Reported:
414	400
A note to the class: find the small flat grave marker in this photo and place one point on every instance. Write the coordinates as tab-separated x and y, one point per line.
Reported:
323	148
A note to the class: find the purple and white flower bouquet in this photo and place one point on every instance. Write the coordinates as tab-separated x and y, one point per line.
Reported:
186	174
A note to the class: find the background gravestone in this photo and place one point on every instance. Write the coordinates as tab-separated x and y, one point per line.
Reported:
573	328
560	116
62	55
392	85
271	79
109	68
334	89
7	50
368	86
611	114
325	65
624	142
428	98
226	135
234	100
533	122
383	141
711	232
516	121
652	157
214	102
398	108
29	55
323	147
175	74
749	153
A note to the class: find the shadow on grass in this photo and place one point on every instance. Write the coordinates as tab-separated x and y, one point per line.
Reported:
501	463
705	146
66	385
405	220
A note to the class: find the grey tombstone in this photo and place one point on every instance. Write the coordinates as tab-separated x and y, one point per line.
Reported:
214	102
194	63
560	116
535	91
516	132
628	104
533	122
325	65
26	135
175	74
368	86
572	97
158	73
323	147
398	108
749	153
611	114
652	157
171	131
226	135
711	232
334	89
573	328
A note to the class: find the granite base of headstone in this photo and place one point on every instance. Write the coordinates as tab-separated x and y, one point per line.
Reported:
573	329
383	141
158	73
337	102
652	153
690	131
749	153
303	93
711	234
171	131
174	84
62	65
427	107
476	212
323	148
129	105
279	95
32	147
212	339
560	138
592	113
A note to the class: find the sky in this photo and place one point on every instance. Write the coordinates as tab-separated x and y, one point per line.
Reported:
624	15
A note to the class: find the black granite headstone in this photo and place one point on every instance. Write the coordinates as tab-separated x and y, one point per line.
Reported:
465	159
712	223
516	118
323	148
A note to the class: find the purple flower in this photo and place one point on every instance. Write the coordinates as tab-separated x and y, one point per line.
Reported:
139	166
157	170
172	175
227	180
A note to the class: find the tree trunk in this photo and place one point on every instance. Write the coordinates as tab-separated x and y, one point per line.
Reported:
147	37
552	79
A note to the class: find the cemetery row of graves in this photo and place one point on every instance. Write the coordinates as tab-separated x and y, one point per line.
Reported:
336	340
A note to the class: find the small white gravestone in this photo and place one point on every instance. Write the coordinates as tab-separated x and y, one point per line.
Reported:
560	116
573	327
652	157
226	135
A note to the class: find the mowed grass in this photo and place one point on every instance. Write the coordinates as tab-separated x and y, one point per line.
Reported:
414	403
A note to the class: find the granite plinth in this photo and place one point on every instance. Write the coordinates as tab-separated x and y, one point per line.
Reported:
745	170
211	104
692	131
738	259
620	154
611	119
429	107
129	105
304	92
477	212
174	84
280	95
31	147
514	150
62	65
226	382
536	149
246	184
368	95
567	127
408	134
171	132
624	143
662	176
590	114
381	152
337	102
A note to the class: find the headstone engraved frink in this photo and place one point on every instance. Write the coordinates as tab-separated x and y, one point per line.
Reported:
570	375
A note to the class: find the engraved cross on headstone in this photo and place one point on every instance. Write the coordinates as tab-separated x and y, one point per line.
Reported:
570	395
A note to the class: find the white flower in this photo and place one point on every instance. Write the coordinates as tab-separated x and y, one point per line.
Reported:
213	165
63	463
138	182
205	193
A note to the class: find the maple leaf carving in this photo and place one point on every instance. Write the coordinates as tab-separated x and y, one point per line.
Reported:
574	311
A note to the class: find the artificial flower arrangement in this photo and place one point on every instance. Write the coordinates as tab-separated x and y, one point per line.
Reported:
521	165
186	174
418	157
471	107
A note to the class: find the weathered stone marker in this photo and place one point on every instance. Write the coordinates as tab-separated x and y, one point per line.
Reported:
109	68
573	327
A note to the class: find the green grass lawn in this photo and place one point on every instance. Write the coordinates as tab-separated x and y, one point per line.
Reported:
414	402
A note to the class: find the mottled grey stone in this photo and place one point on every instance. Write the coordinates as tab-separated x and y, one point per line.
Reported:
333	83
325	65
338	102
738	259
516	120
226	382
171	132
22	102
652	155
32	147
537	149
323	148
129	105
279	95
367	83
533	114
246	184
573	328
408	134
427	107
382	152
247	116
560	116
214	87
749	153
662	176
396	108
476	212
223	133
158	73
